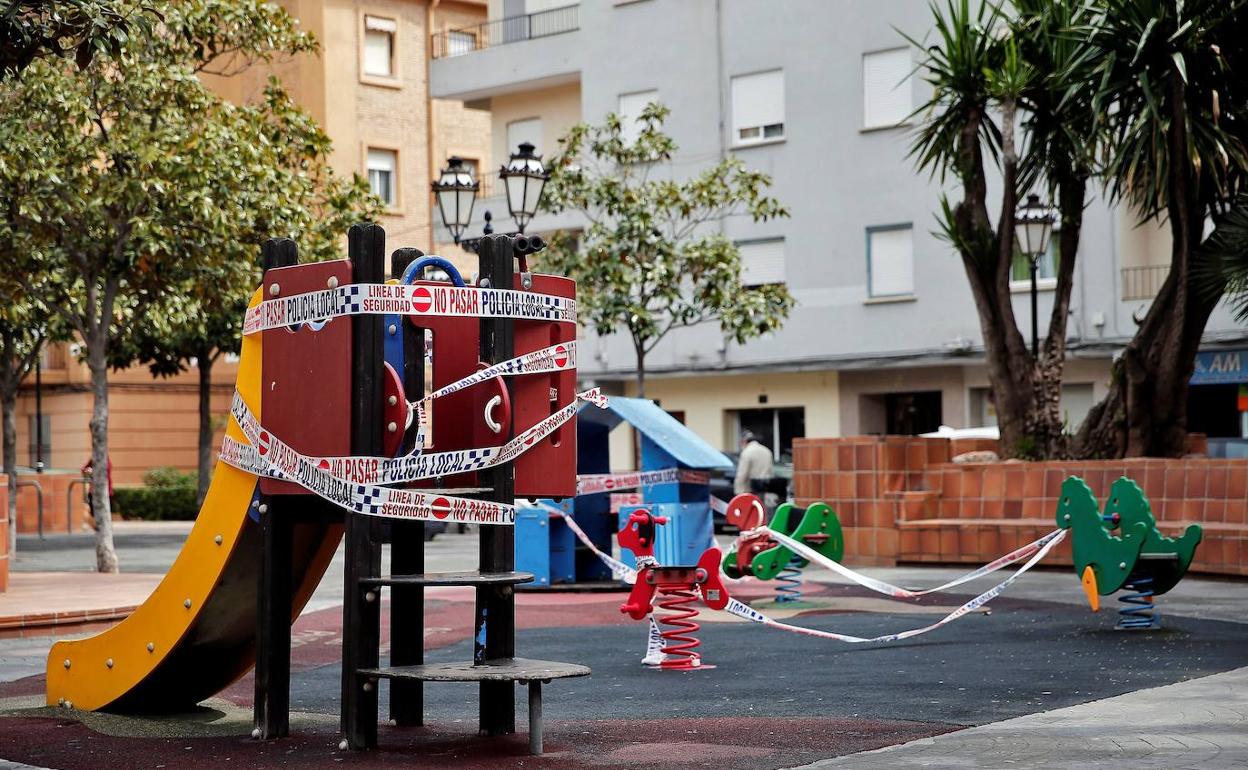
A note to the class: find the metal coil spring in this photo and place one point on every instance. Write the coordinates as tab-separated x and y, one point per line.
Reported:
1141	612
788	582
678	645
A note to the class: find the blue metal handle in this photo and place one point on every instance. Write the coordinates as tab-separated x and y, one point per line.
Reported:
418	266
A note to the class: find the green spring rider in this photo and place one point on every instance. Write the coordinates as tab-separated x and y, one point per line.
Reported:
1139	559
757	554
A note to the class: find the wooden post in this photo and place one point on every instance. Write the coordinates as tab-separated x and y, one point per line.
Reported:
407	541
495	628
361	618
271	707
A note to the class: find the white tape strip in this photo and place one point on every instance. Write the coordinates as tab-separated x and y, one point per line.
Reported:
274	458
619	570
556	358
593	483
810	554
743	610
407	299
717	505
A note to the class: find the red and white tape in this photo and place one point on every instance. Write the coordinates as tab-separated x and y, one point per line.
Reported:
593	483
407	299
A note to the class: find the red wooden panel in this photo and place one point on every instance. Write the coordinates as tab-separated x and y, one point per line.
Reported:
306	398
549	468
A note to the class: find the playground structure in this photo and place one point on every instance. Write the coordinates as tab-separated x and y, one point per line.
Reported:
757	554
1140	559
331	437
672	482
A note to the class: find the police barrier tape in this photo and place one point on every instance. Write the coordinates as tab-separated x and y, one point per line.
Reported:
407	299
742	610
592	483
267	455
619	570
896	592
397	470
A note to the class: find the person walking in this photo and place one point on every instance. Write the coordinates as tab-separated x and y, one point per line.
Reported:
87	471
754	464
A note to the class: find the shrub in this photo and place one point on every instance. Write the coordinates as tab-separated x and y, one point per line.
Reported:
167	495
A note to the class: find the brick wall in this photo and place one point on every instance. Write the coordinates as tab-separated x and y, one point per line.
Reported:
901	500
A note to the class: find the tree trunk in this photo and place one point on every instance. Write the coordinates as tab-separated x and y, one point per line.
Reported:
105	552
641	368
205	362
9	401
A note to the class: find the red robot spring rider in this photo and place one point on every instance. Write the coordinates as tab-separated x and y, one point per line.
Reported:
678	587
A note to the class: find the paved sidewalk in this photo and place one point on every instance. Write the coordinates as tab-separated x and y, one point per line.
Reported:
40	603
1200	724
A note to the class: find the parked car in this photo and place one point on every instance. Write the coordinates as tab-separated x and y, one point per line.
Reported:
722	487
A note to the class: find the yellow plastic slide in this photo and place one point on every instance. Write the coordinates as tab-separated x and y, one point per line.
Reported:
196	633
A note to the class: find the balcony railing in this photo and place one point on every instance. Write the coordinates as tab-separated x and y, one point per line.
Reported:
512	29
1143	282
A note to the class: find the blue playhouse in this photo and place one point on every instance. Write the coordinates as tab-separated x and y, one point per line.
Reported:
548	549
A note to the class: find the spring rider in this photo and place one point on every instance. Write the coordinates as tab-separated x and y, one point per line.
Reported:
757	554
1139	559
679	588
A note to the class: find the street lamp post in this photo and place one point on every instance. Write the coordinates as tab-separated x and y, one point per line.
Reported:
523	177
1033	225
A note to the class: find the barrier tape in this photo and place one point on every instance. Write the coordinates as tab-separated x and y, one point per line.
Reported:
593	483
380	471
556	358
742	610
880	586
619	570
717	505
407	299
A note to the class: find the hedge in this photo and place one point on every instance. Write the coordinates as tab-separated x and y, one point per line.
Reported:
169	495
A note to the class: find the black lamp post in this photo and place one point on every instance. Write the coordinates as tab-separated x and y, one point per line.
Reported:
523	177
1033	225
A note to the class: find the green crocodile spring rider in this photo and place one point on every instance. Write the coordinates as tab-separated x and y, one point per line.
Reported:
759	555
1139	559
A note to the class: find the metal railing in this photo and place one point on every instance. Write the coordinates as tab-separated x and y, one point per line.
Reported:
1143	282
512	29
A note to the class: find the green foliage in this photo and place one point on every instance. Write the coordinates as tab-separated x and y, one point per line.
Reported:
647	264
1224	258
30	29
168	494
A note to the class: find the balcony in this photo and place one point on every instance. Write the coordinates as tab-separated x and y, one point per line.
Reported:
1143	283
513	29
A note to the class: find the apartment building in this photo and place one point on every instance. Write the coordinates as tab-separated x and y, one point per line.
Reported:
884	337
368	87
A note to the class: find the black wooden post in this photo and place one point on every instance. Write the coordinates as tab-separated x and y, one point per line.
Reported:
495	617
361	610
407	540
275	598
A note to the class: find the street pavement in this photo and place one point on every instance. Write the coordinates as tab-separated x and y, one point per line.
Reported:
1064	690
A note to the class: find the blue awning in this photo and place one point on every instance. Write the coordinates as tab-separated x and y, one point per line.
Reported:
690	449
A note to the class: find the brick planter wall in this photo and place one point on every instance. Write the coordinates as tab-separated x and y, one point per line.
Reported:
901	500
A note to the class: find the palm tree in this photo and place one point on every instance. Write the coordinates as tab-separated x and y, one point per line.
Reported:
1170	104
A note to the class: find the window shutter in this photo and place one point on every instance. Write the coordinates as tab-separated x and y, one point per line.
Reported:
762	262
631	107
377	53
891	261
757	101
887	87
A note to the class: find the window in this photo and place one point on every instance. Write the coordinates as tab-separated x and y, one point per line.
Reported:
762	262
33	439
379	46
758	107
890	261
460	42
1046	266
631	107
886	88
382	175
527	130
775	428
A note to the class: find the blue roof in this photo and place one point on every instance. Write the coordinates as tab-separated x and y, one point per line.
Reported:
690	449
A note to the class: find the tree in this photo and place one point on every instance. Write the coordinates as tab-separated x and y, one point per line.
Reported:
1002	95
1171	101
30	29
646	263
145	175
